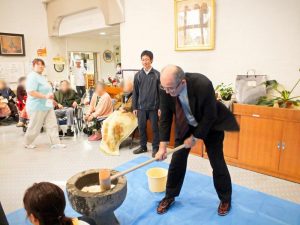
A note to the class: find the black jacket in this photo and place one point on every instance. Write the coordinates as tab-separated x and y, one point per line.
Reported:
8	94
145	94
66	99
208	112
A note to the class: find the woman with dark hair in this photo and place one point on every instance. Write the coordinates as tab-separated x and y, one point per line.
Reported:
45	204
21	101
39	106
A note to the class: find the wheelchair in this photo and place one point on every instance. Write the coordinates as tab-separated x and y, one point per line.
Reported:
96	124
78	120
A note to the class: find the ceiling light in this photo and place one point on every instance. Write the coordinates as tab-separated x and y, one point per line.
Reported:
102	33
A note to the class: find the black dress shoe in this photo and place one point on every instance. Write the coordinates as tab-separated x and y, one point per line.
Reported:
140	150
69	133
154	153
164	205
224	208
60	133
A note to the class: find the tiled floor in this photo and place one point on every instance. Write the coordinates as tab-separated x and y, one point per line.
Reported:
20	167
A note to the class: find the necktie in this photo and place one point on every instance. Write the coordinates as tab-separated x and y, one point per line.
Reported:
182	126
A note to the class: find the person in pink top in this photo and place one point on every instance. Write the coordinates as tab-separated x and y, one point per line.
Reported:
100	108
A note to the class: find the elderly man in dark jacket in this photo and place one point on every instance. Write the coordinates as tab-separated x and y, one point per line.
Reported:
66	100
191	98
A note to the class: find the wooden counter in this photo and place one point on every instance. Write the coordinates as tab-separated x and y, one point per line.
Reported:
268	141
197	149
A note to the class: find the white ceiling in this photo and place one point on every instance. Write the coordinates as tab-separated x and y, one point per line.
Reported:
108	32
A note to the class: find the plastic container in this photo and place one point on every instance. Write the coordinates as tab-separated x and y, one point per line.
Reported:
157	179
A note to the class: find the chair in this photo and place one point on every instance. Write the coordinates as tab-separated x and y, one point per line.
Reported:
78	120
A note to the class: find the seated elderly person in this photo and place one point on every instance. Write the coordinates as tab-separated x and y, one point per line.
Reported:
21	102
120	124
124	101
66	100
100	107
4	109
10	96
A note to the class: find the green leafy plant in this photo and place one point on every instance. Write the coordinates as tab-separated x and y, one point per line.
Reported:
284	100
225	91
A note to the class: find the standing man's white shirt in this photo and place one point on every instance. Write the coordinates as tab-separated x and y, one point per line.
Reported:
79	75
147	71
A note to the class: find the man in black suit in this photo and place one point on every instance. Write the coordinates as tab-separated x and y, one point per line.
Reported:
191	97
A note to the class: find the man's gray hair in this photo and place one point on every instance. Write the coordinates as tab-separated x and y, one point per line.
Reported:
178	72
100	83
180	75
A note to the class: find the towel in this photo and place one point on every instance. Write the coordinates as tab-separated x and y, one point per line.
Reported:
115	129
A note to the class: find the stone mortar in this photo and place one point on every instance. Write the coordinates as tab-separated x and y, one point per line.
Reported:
98	206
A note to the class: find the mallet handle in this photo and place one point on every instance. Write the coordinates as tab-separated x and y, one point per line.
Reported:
170	151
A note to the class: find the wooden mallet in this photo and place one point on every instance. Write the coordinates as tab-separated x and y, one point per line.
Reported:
104	174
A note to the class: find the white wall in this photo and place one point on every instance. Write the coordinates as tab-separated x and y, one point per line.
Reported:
29	18
259	34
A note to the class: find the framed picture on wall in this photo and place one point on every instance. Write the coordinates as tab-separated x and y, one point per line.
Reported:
194	25
117	54
12	44
108	56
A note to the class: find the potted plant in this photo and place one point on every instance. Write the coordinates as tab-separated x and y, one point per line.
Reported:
284	100
224	93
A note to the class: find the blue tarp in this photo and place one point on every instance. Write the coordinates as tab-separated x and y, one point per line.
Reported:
196	205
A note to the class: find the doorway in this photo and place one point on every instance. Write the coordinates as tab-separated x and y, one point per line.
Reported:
89	62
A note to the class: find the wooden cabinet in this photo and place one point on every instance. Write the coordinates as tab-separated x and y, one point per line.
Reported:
290	150
196	150
268	141
231	144
260	142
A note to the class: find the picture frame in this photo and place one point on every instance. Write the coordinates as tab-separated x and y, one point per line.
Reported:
117	54
194	25
12	44
108	56
59	67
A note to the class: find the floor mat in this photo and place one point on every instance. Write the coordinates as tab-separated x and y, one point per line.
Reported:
197	204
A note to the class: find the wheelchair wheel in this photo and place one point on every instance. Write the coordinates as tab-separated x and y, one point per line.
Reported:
79	119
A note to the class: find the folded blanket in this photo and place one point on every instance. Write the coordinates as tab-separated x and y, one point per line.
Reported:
115	129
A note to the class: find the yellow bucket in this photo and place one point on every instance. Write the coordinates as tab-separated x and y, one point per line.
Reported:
157	179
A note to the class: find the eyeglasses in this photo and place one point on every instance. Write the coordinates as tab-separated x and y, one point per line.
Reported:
170	88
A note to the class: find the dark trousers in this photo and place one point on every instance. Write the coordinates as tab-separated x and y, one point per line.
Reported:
221	176
3	220
80	90
143	116
13	108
